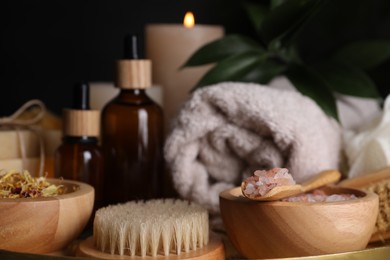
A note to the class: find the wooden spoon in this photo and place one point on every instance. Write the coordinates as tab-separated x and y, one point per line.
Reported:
281	192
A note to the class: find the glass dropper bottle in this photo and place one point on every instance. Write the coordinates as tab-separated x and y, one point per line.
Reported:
80	157
132	133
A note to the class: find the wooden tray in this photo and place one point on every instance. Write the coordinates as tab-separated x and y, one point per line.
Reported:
377	251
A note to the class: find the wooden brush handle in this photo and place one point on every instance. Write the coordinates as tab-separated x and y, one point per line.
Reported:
367	179
321	179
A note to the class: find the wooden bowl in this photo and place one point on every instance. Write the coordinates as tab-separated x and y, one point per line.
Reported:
292	229
377	182
43	225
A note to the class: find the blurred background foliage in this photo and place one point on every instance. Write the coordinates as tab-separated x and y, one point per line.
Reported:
324	47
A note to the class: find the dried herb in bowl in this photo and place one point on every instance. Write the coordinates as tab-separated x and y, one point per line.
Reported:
16	184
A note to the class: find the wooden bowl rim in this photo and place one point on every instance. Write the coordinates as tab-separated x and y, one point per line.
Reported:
235	195
83	189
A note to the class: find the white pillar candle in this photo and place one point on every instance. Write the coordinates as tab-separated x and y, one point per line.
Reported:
169	46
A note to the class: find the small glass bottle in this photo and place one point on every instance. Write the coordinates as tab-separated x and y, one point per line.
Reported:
132	133
80	157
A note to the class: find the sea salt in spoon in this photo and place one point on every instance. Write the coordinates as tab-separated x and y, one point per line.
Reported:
284	191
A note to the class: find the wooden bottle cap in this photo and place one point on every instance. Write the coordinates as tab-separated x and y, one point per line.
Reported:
133	74
81	122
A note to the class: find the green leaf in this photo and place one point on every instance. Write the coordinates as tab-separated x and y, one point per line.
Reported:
264	72
276	3
256	13
221	49
232	68
312	86
289	55
365	54
346	79
287	17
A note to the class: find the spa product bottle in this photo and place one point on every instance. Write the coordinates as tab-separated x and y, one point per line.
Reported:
132	133
80	157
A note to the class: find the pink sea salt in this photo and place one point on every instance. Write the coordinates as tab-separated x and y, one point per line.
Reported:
263	181
320	196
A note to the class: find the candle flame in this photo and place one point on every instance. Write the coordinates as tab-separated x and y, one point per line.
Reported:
189	20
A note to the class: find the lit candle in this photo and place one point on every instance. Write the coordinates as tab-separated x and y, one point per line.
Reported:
169	46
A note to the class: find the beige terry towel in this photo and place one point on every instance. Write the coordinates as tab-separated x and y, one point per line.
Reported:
226	131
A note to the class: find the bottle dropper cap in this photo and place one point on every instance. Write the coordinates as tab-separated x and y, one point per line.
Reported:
131	47
81	120
81	95
133	72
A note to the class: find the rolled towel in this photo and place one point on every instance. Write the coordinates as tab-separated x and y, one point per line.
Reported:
226	131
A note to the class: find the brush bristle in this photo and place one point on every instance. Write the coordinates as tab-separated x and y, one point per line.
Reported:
150	228
382	189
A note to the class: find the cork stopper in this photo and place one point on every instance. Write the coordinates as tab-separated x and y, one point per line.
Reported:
80	120
133	72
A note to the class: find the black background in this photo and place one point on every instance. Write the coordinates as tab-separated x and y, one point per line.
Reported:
49	45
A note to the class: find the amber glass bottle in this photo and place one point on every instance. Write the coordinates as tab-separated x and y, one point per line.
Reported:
80	157
132	134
